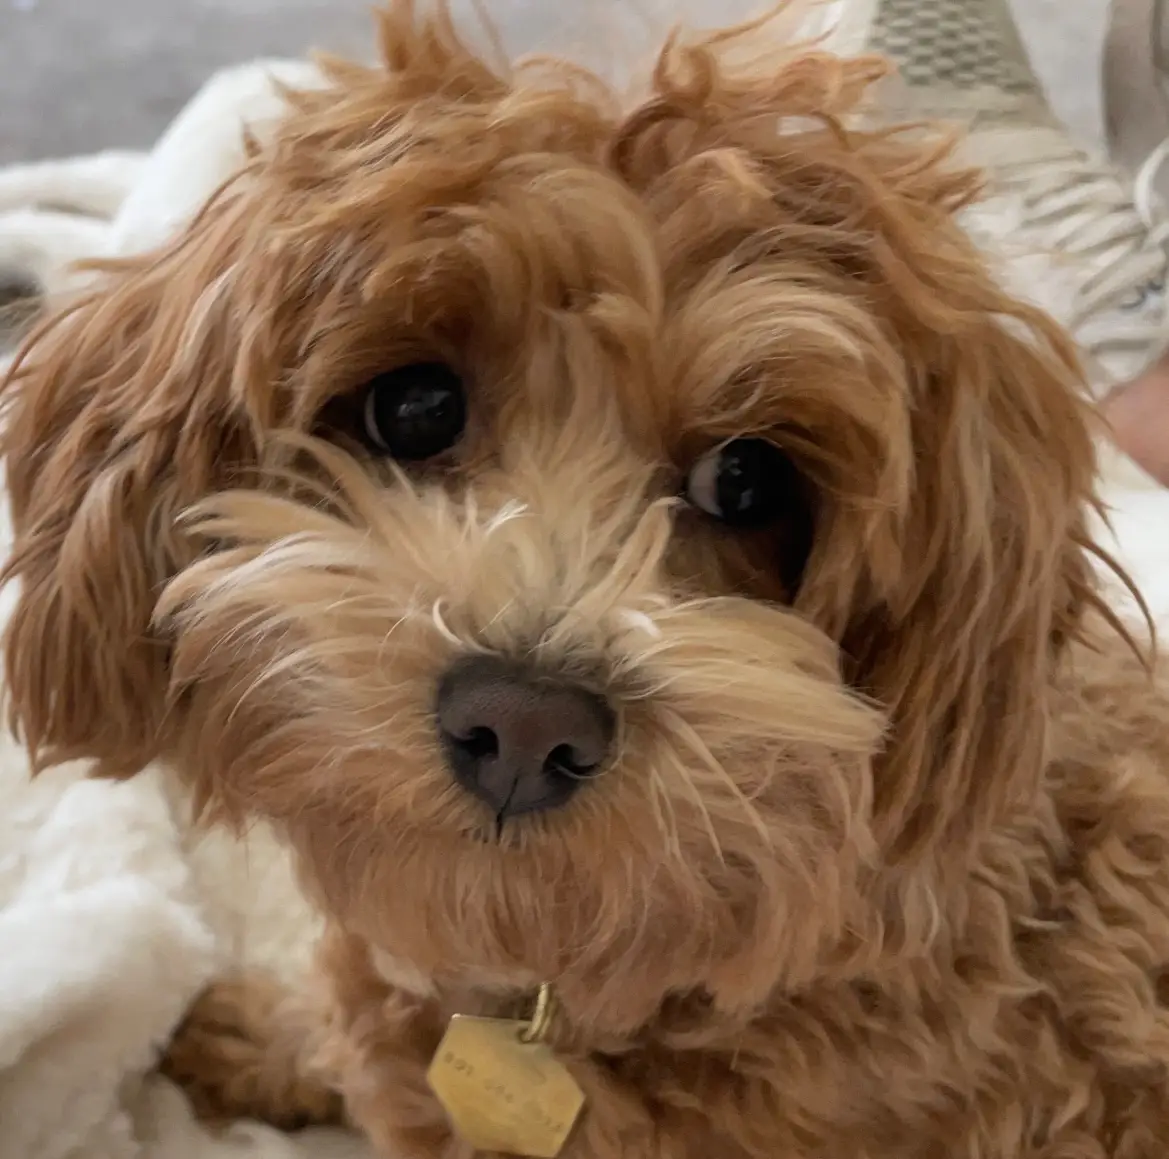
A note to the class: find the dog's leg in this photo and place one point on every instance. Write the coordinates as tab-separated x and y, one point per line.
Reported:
95	185
249	1048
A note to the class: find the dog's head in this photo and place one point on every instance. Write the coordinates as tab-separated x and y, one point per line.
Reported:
626	548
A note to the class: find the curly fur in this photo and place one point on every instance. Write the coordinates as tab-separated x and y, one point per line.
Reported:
882	868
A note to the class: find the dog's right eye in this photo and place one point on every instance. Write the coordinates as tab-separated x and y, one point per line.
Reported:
414	412
745	483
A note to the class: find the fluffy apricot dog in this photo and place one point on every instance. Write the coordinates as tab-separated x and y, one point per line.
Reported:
637	550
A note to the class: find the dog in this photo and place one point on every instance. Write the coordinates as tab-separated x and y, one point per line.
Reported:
642	564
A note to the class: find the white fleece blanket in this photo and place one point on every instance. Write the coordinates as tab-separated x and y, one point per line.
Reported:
105	935
112	914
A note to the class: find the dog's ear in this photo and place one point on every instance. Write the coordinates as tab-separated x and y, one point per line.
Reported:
979	574
954	561
156	386
942	421
961	519
119	412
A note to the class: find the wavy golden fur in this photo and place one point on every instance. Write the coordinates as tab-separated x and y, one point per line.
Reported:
881	868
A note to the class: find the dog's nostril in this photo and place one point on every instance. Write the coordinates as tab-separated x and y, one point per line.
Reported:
520	741
478	743
569	762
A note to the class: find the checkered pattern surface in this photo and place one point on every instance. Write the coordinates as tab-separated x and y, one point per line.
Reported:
961	44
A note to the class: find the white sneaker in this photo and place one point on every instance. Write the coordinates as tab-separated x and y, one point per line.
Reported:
1064	225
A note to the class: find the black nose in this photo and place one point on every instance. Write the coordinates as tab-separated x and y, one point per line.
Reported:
520	741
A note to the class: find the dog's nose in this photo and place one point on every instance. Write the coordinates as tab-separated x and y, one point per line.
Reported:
520	741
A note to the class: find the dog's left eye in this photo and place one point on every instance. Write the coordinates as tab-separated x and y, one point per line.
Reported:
414	412
744	483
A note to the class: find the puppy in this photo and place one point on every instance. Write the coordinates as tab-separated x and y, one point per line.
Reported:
632	551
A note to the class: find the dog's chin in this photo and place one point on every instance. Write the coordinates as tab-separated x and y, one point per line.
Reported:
585	898
499	833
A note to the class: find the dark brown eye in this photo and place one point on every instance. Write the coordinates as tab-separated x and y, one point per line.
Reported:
752	485
745	483
414	412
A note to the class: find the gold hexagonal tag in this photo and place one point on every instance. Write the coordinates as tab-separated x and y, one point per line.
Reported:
503	1090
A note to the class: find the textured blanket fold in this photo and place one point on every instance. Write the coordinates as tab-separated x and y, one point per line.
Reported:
111	919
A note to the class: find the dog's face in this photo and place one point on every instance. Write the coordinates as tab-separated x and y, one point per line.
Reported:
619	548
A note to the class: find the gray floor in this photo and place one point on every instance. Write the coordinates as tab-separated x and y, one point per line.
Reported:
77	75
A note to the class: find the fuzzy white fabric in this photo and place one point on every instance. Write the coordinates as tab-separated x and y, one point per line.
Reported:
113	913
110	924
1137	532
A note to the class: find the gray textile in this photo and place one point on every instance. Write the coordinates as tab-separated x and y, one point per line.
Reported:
959	43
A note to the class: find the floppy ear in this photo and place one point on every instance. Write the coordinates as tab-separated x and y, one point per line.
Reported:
982	574
117	415
969	557
942	421
155	387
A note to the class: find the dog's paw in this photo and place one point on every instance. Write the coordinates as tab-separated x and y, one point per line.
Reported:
245	1051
